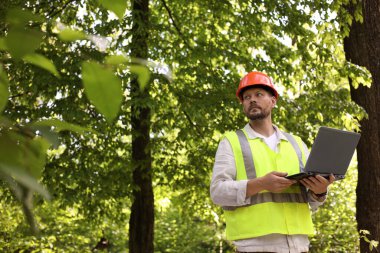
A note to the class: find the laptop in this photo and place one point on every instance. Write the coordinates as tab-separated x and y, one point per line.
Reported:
331	153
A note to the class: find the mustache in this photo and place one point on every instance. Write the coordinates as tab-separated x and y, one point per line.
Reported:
252	106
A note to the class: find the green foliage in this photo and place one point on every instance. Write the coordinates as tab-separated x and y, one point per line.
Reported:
177	232
22	156
180	230
372	244
62	230
42	62
116	6
20	32
143	75
71	35
335	222
208	45
24	150
103	89
4	89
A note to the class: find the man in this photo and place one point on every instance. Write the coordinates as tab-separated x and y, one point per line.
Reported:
264	211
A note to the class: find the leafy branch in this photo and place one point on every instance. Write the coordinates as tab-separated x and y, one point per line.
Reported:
372	244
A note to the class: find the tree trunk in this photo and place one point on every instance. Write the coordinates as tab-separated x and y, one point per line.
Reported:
141	223
362	47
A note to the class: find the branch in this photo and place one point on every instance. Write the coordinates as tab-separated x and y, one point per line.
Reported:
17	95
51	14
198	131
181	34
175	24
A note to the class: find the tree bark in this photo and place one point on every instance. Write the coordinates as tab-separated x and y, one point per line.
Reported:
141	223
362	47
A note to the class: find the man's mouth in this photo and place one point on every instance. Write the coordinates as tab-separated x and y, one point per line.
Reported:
254	107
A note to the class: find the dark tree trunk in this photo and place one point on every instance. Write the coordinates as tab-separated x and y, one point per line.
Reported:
362	47
141	224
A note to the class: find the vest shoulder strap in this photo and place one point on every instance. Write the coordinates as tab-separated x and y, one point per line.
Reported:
241	148
247	154
297	148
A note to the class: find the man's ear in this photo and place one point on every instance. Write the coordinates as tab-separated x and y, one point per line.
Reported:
274	101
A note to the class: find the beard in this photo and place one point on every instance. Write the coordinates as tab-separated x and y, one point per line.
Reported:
259	115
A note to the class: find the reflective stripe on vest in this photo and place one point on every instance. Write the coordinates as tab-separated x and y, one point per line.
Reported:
247	155
249	165
296	148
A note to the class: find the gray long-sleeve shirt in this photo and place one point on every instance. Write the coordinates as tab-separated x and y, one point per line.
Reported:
226	191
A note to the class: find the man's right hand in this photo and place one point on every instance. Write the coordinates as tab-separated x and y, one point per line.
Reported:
273	181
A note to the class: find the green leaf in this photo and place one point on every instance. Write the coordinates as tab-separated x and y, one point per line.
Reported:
5	122
23	151
116	6
143	75
35	155
59	125
42	62
21	42
25	179
4	89
19	17
47	133
364	232
3	46
103	89
116	59
72	35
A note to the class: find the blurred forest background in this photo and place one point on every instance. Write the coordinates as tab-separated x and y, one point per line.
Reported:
112	110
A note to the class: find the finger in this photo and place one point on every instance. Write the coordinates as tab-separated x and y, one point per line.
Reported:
311	181
280	174
321	179
306	181
286	181
306	184
331	178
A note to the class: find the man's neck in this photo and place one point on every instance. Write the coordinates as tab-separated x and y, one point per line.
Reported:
263	127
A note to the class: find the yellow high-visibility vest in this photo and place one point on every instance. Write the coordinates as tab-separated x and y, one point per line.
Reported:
282	213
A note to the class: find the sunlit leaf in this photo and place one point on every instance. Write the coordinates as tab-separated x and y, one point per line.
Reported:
24	152
25	179
103	89
10	150
116	6
19	17
116	59
4	89
143	75
3	46
35	155
47	133
21	42
364	232
42	62
59	125
5	122
72	35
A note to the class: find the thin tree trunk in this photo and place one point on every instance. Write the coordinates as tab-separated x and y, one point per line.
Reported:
362	47
141	224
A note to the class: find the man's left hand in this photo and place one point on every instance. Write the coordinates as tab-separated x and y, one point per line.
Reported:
318	184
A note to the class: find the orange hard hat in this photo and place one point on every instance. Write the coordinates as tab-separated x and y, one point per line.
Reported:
255	78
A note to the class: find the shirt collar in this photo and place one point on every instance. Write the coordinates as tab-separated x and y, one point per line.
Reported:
252	134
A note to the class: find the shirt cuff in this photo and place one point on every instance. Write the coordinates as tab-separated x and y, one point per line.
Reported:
314	198
242	193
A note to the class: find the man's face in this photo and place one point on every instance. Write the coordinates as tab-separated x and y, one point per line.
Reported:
258	103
